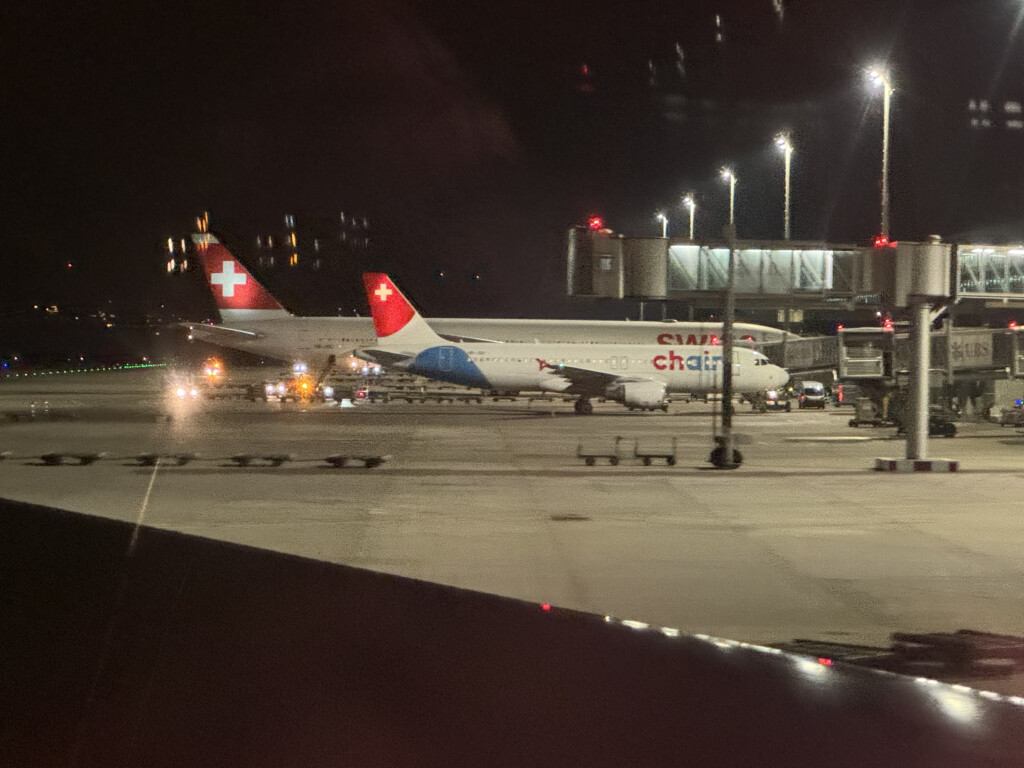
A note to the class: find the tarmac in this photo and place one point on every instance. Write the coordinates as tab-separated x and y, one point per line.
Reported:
803	540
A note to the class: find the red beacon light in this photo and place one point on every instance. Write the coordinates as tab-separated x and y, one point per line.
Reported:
595	223
887	325
1012	325
882	241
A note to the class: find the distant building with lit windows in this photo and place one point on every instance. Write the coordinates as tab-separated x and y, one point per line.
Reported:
312	263
313	242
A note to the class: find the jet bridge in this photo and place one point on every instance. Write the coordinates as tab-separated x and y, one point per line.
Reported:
882	354
806	274
773	273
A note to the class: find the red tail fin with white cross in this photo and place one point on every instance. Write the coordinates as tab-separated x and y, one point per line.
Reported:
237	293
396	320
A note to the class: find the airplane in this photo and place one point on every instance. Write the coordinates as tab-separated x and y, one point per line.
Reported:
638	376
256	322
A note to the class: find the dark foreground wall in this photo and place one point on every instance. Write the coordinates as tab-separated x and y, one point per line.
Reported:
189	652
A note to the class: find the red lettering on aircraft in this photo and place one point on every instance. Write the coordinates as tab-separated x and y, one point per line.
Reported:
693	340
674	362
670	362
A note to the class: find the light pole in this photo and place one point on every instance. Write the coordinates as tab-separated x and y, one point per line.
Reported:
728	175
881	77
660	216
783	143
691	205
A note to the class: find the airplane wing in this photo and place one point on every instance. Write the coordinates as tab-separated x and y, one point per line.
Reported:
383	356
460	339
587	381
213	332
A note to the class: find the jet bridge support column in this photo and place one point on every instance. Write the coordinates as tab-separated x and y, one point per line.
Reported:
915	276
724	455
917	428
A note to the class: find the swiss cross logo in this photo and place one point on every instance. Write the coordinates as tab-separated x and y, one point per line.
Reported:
383	292
228	278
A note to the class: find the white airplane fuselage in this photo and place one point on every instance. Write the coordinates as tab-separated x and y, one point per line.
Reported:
315	339
532	367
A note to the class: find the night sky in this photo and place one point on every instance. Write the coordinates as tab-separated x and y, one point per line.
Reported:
473	134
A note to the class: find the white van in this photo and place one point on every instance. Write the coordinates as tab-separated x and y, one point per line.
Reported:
811	394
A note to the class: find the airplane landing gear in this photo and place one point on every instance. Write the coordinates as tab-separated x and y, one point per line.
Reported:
583	407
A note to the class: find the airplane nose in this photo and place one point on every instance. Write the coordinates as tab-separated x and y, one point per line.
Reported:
779	377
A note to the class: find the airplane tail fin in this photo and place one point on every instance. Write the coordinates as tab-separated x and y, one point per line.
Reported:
237	293
396	321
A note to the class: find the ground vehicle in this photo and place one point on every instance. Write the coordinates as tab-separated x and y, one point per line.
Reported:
776	400
939	425
370	395
811	394
299	389
1013	417
845	394
213	368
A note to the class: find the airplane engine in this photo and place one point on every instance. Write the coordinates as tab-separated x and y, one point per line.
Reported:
639	394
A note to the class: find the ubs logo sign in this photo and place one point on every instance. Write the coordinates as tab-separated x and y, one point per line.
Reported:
972	350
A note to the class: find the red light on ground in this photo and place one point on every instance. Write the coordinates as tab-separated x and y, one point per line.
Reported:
881	241
714	340
546	607
839	327
1012	324
887	325
595	223
825	662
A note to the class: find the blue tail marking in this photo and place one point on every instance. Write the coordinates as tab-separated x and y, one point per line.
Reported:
448	364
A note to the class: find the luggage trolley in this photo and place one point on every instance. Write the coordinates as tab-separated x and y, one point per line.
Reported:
654	449
590	452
